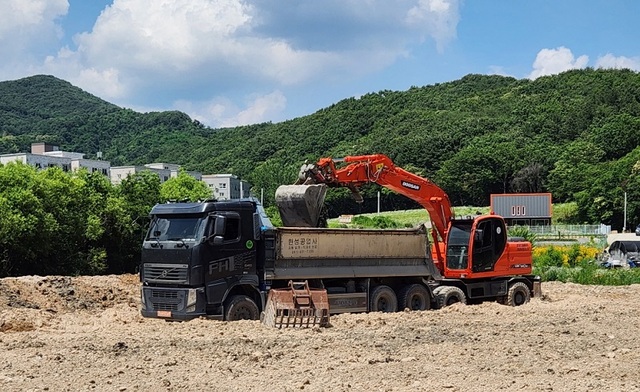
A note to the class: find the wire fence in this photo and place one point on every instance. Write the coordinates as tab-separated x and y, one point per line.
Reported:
571	230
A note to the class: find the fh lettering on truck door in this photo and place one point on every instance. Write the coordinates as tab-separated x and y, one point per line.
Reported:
231	265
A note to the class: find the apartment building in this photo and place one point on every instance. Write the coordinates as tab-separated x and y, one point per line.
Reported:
44	155
227	186
164	170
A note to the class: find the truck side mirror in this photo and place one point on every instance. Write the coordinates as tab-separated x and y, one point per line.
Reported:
219	228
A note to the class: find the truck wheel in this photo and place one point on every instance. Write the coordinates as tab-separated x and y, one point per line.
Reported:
414	297
241	307
383	299
449	295
518	294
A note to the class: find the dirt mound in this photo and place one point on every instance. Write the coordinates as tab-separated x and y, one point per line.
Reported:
31	302
86	333
64	293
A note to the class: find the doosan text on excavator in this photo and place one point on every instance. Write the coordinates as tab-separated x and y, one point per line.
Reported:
225	260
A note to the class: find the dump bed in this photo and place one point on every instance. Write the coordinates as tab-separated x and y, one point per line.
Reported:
316	253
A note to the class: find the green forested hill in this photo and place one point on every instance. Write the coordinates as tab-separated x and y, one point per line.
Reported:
575	134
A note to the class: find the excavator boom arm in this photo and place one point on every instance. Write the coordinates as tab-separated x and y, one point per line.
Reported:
379	169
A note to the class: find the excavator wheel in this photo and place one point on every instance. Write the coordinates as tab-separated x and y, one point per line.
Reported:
449	295
414	297
518	294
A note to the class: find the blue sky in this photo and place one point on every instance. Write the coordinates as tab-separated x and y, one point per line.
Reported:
237	62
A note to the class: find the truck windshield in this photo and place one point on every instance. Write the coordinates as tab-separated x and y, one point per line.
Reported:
175	227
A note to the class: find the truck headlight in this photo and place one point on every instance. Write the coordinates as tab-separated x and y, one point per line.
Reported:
192	298
143	301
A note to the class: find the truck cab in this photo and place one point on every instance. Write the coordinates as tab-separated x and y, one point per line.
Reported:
195	251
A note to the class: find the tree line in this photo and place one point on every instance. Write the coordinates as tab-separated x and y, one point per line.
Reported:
54	222
575	135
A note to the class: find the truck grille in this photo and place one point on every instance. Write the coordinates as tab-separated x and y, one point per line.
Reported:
162	306
165	299
164	294
166	273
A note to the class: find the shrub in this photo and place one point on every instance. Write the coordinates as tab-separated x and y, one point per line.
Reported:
579	264
548	257
362	221
522	231
383	222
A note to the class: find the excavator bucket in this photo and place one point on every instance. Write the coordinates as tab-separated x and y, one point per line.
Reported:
296	306
300	205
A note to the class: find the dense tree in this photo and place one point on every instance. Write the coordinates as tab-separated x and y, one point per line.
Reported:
269	175
184	187
52	222
574	170
474	136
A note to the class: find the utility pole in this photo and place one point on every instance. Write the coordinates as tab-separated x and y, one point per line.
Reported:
378	202
624	224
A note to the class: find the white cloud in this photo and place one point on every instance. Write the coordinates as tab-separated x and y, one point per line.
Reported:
555	61
611	61
160	46
439	18
259	109
221	112
27	27
165	36
169	49
28	17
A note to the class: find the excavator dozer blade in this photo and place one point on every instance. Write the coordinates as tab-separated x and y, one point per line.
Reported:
300	205
296	306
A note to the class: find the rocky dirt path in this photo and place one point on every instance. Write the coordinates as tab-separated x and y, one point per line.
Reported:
85	333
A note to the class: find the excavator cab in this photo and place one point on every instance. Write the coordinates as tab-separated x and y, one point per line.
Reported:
475	245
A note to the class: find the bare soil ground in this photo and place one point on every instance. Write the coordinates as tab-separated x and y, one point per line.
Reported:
86	333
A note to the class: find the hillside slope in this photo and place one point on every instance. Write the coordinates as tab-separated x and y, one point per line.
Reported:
474	136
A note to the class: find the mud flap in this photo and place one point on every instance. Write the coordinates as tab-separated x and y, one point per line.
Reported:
300	205
296	306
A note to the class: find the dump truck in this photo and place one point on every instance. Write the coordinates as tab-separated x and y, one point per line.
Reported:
473	255
225	260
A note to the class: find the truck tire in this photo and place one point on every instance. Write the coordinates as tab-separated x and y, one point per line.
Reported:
449	295
414	297
518	294
383	299
241	307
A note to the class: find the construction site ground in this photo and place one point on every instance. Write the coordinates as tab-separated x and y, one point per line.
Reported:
86	333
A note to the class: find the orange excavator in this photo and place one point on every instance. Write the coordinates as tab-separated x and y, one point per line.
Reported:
474	256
